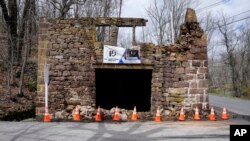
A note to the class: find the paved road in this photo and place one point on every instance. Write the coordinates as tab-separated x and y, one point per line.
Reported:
108	131
148	131
234	105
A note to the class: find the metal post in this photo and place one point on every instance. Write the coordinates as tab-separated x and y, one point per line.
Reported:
46	97
46	80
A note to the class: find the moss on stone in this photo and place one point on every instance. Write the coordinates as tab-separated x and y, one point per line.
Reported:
179	99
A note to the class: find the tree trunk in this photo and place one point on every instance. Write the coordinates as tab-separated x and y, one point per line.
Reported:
27	7
23	68
12	6
10	17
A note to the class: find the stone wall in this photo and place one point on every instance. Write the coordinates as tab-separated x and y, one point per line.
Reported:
179	77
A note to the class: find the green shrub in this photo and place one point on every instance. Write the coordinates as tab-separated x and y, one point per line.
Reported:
31	85
246	92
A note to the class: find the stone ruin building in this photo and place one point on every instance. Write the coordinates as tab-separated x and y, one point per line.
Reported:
169	76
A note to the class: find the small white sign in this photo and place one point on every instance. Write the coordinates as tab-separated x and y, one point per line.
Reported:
112	54
119	55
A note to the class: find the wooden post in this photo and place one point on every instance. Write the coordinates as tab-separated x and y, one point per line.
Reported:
133	34
113	36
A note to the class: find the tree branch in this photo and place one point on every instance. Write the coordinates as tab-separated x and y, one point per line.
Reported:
5	11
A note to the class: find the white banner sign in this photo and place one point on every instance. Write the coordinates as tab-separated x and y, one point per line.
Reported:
119	55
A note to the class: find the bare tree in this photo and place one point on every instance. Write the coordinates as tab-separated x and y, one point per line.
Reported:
167	16
60	8
6	63
27	25
101	31
158	13
46	9
9	12
20	22
64	6
177	9
230	41
104	8
209	26
243	57
77	8
93	8
15	17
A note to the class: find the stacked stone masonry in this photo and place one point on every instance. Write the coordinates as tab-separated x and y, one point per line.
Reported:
69	46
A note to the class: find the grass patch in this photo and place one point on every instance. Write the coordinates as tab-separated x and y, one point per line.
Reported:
246	93
221	92
229	93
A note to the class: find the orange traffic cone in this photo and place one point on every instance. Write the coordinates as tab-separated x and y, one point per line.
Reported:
182	115
196	115
98	115
76	115
46	117
116	116
212	115
158	115
134	115
224	114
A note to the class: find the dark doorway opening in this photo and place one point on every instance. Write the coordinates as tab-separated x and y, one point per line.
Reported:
124	88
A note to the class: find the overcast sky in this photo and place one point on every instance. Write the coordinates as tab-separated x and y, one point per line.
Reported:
136	8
